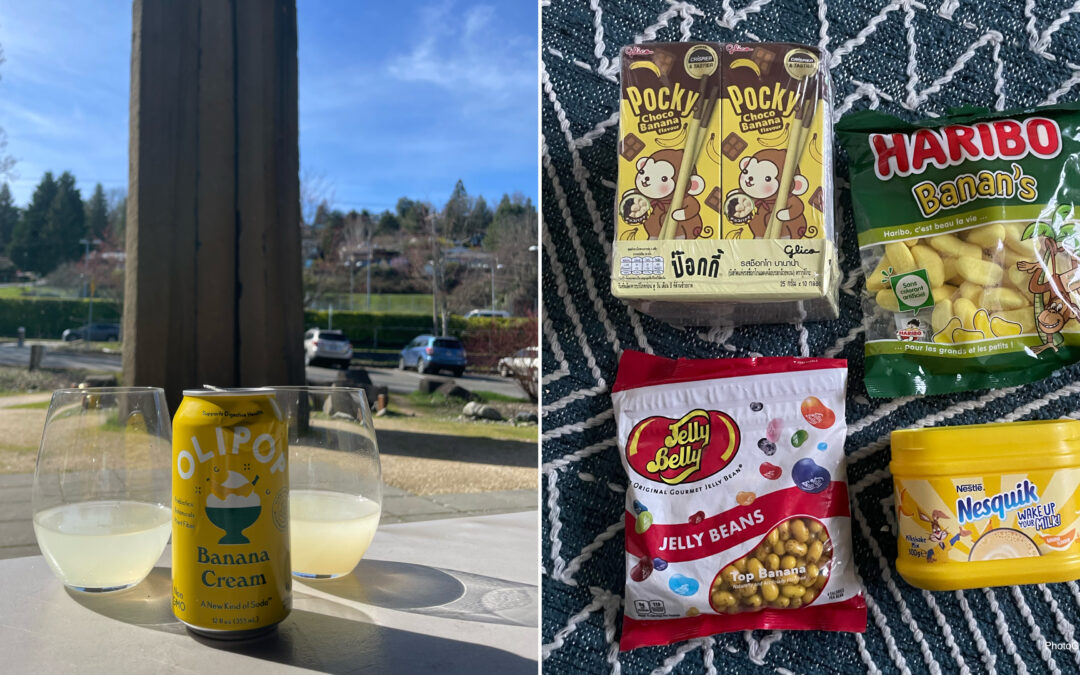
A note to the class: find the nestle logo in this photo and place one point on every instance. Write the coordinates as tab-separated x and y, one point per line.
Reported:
734	47
635	50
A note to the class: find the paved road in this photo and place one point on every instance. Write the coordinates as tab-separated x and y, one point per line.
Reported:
397	381
12	355
406	381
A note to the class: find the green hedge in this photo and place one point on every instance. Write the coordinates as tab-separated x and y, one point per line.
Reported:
47	318
393	330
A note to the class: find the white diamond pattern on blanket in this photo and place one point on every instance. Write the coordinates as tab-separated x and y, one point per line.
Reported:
909	58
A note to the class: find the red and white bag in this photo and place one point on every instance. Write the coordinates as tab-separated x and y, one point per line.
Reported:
737	512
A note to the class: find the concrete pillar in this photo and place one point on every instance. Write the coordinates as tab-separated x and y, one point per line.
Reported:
213	279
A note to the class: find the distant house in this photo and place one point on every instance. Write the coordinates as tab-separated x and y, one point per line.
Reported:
7	269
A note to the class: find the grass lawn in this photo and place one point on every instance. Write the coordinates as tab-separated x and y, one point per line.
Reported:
405	303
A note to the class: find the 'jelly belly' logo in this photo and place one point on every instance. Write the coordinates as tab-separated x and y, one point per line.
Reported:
689	449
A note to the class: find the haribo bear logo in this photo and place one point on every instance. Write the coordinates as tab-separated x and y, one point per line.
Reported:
685	450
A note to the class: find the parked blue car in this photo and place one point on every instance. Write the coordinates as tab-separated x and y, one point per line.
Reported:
430	354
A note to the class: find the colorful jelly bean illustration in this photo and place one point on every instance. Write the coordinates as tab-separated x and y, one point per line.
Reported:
809	476
693	611
745	498
774	429
659	564
756	406
823	446
639	507
799	437
644	522
816	414
767	446
642	570
770	471
697	518
683	585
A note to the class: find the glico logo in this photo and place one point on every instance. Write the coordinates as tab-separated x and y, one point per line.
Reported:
686	450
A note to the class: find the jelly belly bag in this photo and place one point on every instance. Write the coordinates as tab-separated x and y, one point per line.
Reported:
737	510
967	233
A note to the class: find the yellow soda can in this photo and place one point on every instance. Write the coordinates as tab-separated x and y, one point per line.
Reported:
230	534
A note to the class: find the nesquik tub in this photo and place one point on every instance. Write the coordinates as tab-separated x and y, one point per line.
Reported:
987	504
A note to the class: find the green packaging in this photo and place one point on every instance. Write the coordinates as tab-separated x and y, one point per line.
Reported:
968	241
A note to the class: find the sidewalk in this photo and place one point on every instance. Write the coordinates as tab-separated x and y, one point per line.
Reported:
17	530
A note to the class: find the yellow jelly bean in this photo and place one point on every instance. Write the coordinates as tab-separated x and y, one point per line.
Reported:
792	591
944	336
990	237
981	322
979	271
928	259
1001	298
769	590
965	335
950	244
900	257
887	299
964	309
1002	328
943	312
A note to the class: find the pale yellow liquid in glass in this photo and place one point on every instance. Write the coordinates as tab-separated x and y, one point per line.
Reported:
330	531
102	545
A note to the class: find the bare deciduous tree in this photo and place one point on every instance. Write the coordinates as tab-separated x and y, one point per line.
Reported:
7	162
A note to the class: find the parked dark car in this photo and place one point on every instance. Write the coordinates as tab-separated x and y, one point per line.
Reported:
430	354
95	332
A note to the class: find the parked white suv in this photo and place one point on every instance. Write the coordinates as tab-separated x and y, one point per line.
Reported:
328	346
480	313
523	361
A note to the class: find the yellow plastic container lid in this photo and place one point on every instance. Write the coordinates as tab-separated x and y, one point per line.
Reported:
988	504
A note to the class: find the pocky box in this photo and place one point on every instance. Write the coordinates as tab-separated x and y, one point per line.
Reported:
967	233
764	103
724	188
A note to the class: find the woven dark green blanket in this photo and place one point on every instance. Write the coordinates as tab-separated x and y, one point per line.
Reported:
902	57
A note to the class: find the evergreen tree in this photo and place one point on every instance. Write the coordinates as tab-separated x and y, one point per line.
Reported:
67	221
97	213
9	216
388	223
29	247
456	213
479	218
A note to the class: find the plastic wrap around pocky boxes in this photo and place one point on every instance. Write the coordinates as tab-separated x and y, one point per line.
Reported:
230	542
737	512
967	234
724	201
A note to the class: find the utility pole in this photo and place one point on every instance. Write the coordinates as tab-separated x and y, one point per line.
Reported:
352	268
89	287
369	266
434	275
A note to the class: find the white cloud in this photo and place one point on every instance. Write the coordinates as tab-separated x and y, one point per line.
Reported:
469	55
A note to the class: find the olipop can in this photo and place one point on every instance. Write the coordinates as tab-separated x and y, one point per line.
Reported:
230	537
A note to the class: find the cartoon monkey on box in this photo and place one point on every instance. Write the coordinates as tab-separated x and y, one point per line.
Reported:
657	175
759	179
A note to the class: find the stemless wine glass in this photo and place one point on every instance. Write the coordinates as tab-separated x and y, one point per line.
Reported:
101	491
335	479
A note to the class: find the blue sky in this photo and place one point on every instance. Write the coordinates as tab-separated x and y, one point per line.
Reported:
395	98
